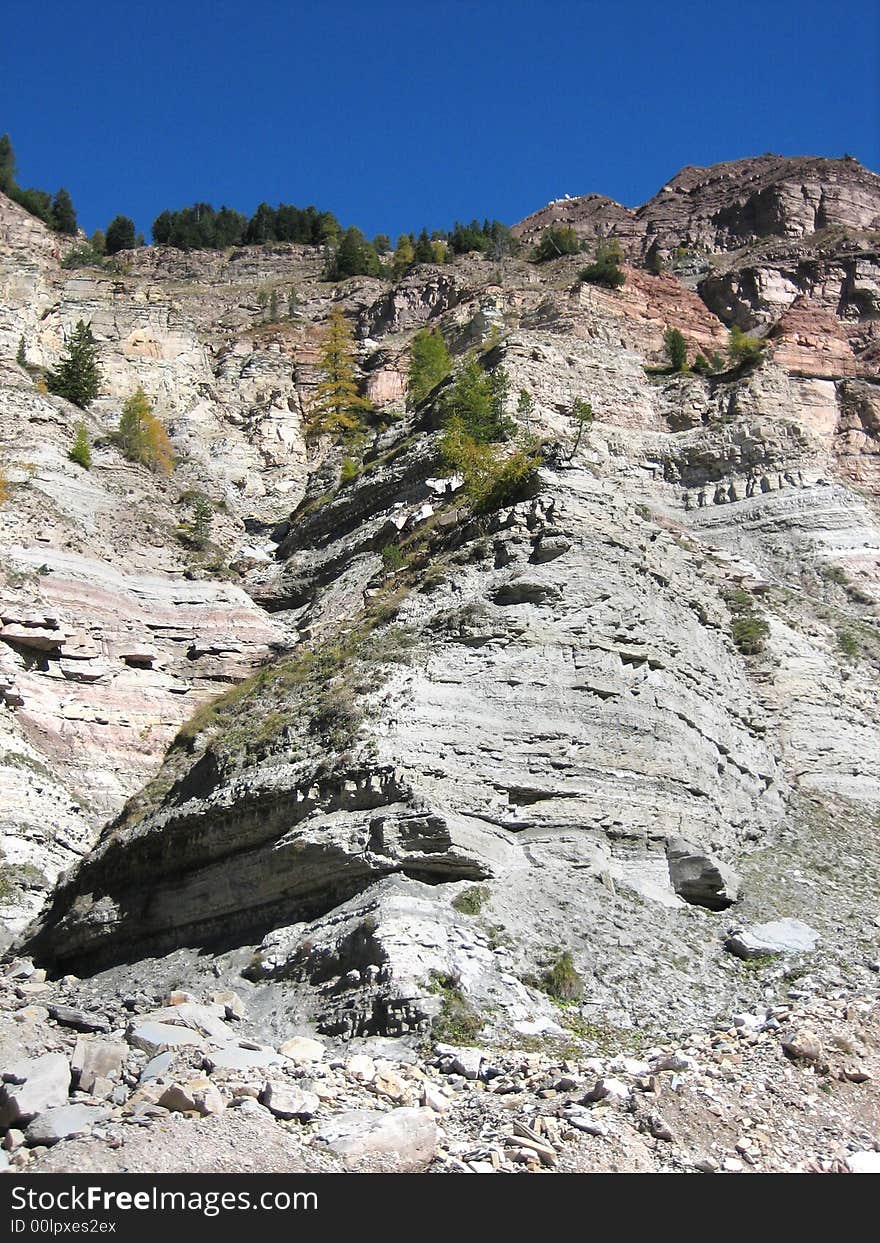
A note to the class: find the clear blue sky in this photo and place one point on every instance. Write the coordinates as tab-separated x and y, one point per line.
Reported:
396	116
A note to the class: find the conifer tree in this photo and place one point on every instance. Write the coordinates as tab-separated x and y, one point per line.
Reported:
20	355
7	164
476	402
676	349
78	377
404	256
424	252
63	215
120	235
142	437
429	363
337	407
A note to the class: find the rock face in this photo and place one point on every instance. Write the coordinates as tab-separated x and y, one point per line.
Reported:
476	742
727	206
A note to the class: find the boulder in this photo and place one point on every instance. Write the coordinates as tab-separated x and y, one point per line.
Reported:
406	1137
155	1038
286	1101
199	1096
699	877
865	1162
32	1086
303	1049
80	1020
232	1057
65	1122
96	1064
780	936
803	1046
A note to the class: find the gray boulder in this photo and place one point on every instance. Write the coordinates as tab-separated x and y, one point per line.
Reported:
407	1137
699	877
97	1064
66	1122
779	936
32	1086
286	1101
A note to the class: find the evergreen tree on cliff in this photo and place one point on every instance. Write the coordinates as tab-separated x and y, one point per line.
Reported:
120	235
63	215
429	363
337	407
78	377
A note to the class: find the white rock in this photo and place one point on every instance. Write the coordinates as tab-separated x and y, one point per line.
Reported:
286	1101
304	1049
32	1086
865	1162
406	1136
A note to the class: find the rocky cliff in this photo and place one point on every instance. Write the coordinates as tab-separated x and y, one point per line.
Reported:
444	769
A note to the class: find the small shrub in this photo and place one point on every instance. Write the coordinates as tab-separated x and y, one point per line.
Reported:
348	471
848	644
708	365
81	451
562	980
748	629
20	356
5	490
471	900
458	1022
393	558
555	242
82	257
742	349
749	633
605	268
834	574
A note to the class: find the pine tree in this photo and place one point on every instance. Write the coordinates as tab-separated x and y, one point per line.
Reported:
273	307
81	450
354	256
676	349
337	407
424	252
141	436
78	377
20	355
476	403
202	520
429	363
120	235
404	256
525	408
7	164
63	214
580	418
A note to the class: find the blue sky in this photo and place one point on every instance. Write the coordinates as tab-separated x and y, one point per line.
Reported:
396	116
